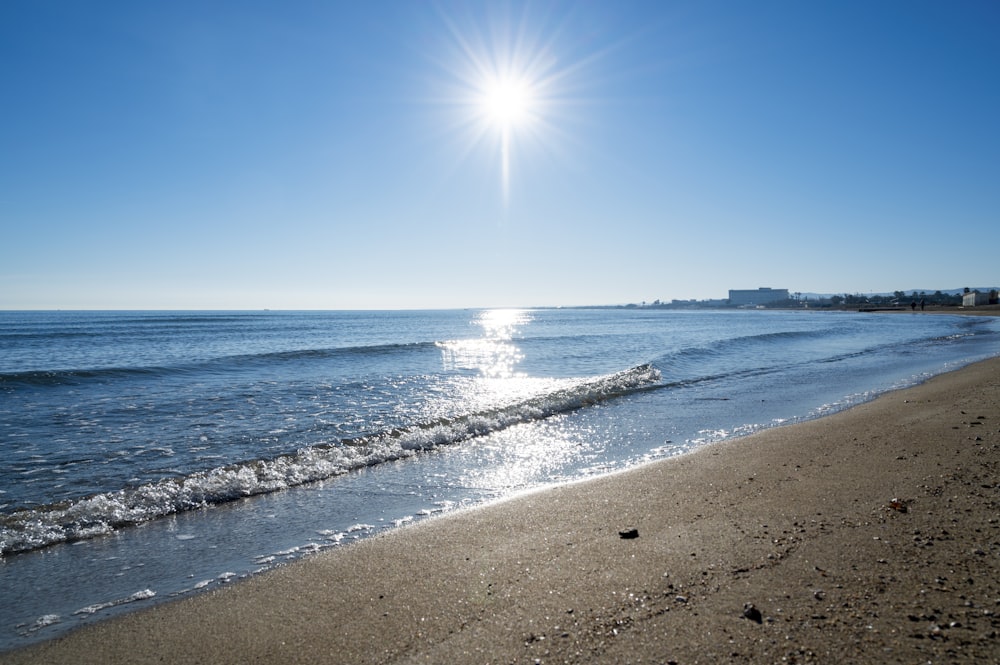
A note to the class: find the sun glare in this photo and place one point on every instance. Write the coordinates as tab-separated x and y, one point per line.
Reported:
507	103
511	79
506	106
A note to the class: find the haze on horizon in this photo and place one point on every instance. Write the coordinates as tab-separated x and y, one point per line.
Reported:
246	155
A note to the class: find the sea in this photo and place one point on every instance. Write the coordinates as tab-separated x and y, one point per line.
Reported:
154	455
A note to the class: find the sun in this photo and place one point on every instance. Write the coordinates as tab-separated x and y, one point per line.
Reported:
507	103
512	78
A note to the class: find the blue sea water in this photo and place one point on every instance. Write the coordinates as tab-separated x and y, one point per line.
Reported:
148	455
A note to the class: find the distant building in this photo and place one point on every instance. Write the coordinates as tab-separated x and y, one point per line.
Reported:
761	296
975	299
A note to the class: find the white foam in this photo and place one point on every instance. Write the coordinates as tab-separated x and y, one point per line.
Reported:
138	595
360	527
43	621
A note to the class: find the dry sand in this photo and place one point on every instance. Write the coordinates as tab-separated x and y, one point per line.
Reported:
870	536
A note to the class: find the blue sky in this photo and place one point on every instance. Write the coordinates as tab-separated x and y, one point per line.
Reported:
245	154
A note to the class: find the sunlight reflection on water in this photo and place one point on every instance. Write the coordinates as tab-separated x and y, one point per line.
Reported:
493	359
494	355
525	456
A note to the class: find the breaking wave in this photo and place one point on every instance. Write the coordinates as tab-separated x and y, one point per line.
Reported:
99	514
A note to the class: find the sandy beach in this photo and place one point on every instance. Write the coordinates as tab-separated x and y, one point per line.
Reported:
869	536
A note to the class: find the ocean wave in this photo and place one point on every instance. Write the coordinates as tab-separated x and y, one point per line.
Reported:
762	340
57	377
307	354
737	355
99	514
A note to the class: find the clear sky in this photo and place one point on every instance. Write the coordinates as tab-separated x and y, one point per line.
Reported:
337	155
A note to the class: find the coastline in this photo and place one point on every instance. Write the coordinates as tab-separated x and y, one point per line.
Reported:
981	310
870	535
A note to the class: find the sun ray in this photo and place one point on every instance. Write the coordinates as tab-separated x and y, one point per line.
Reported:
513	87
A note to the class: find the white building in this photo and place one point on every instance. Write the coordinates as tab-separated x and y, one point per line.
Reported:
761	296
975	299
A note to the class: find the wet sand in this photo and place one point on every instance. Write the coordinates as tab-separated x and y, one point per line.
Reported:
869	536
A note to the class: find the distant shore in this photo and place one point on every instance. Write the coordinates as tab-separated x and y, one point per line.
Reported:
869	536
981	310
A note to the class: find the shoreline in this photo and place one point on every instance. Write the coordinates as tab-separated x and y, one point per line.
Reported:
871	535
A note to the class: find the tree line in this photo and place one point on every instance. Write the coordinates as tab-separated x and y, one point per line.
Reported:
897	299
